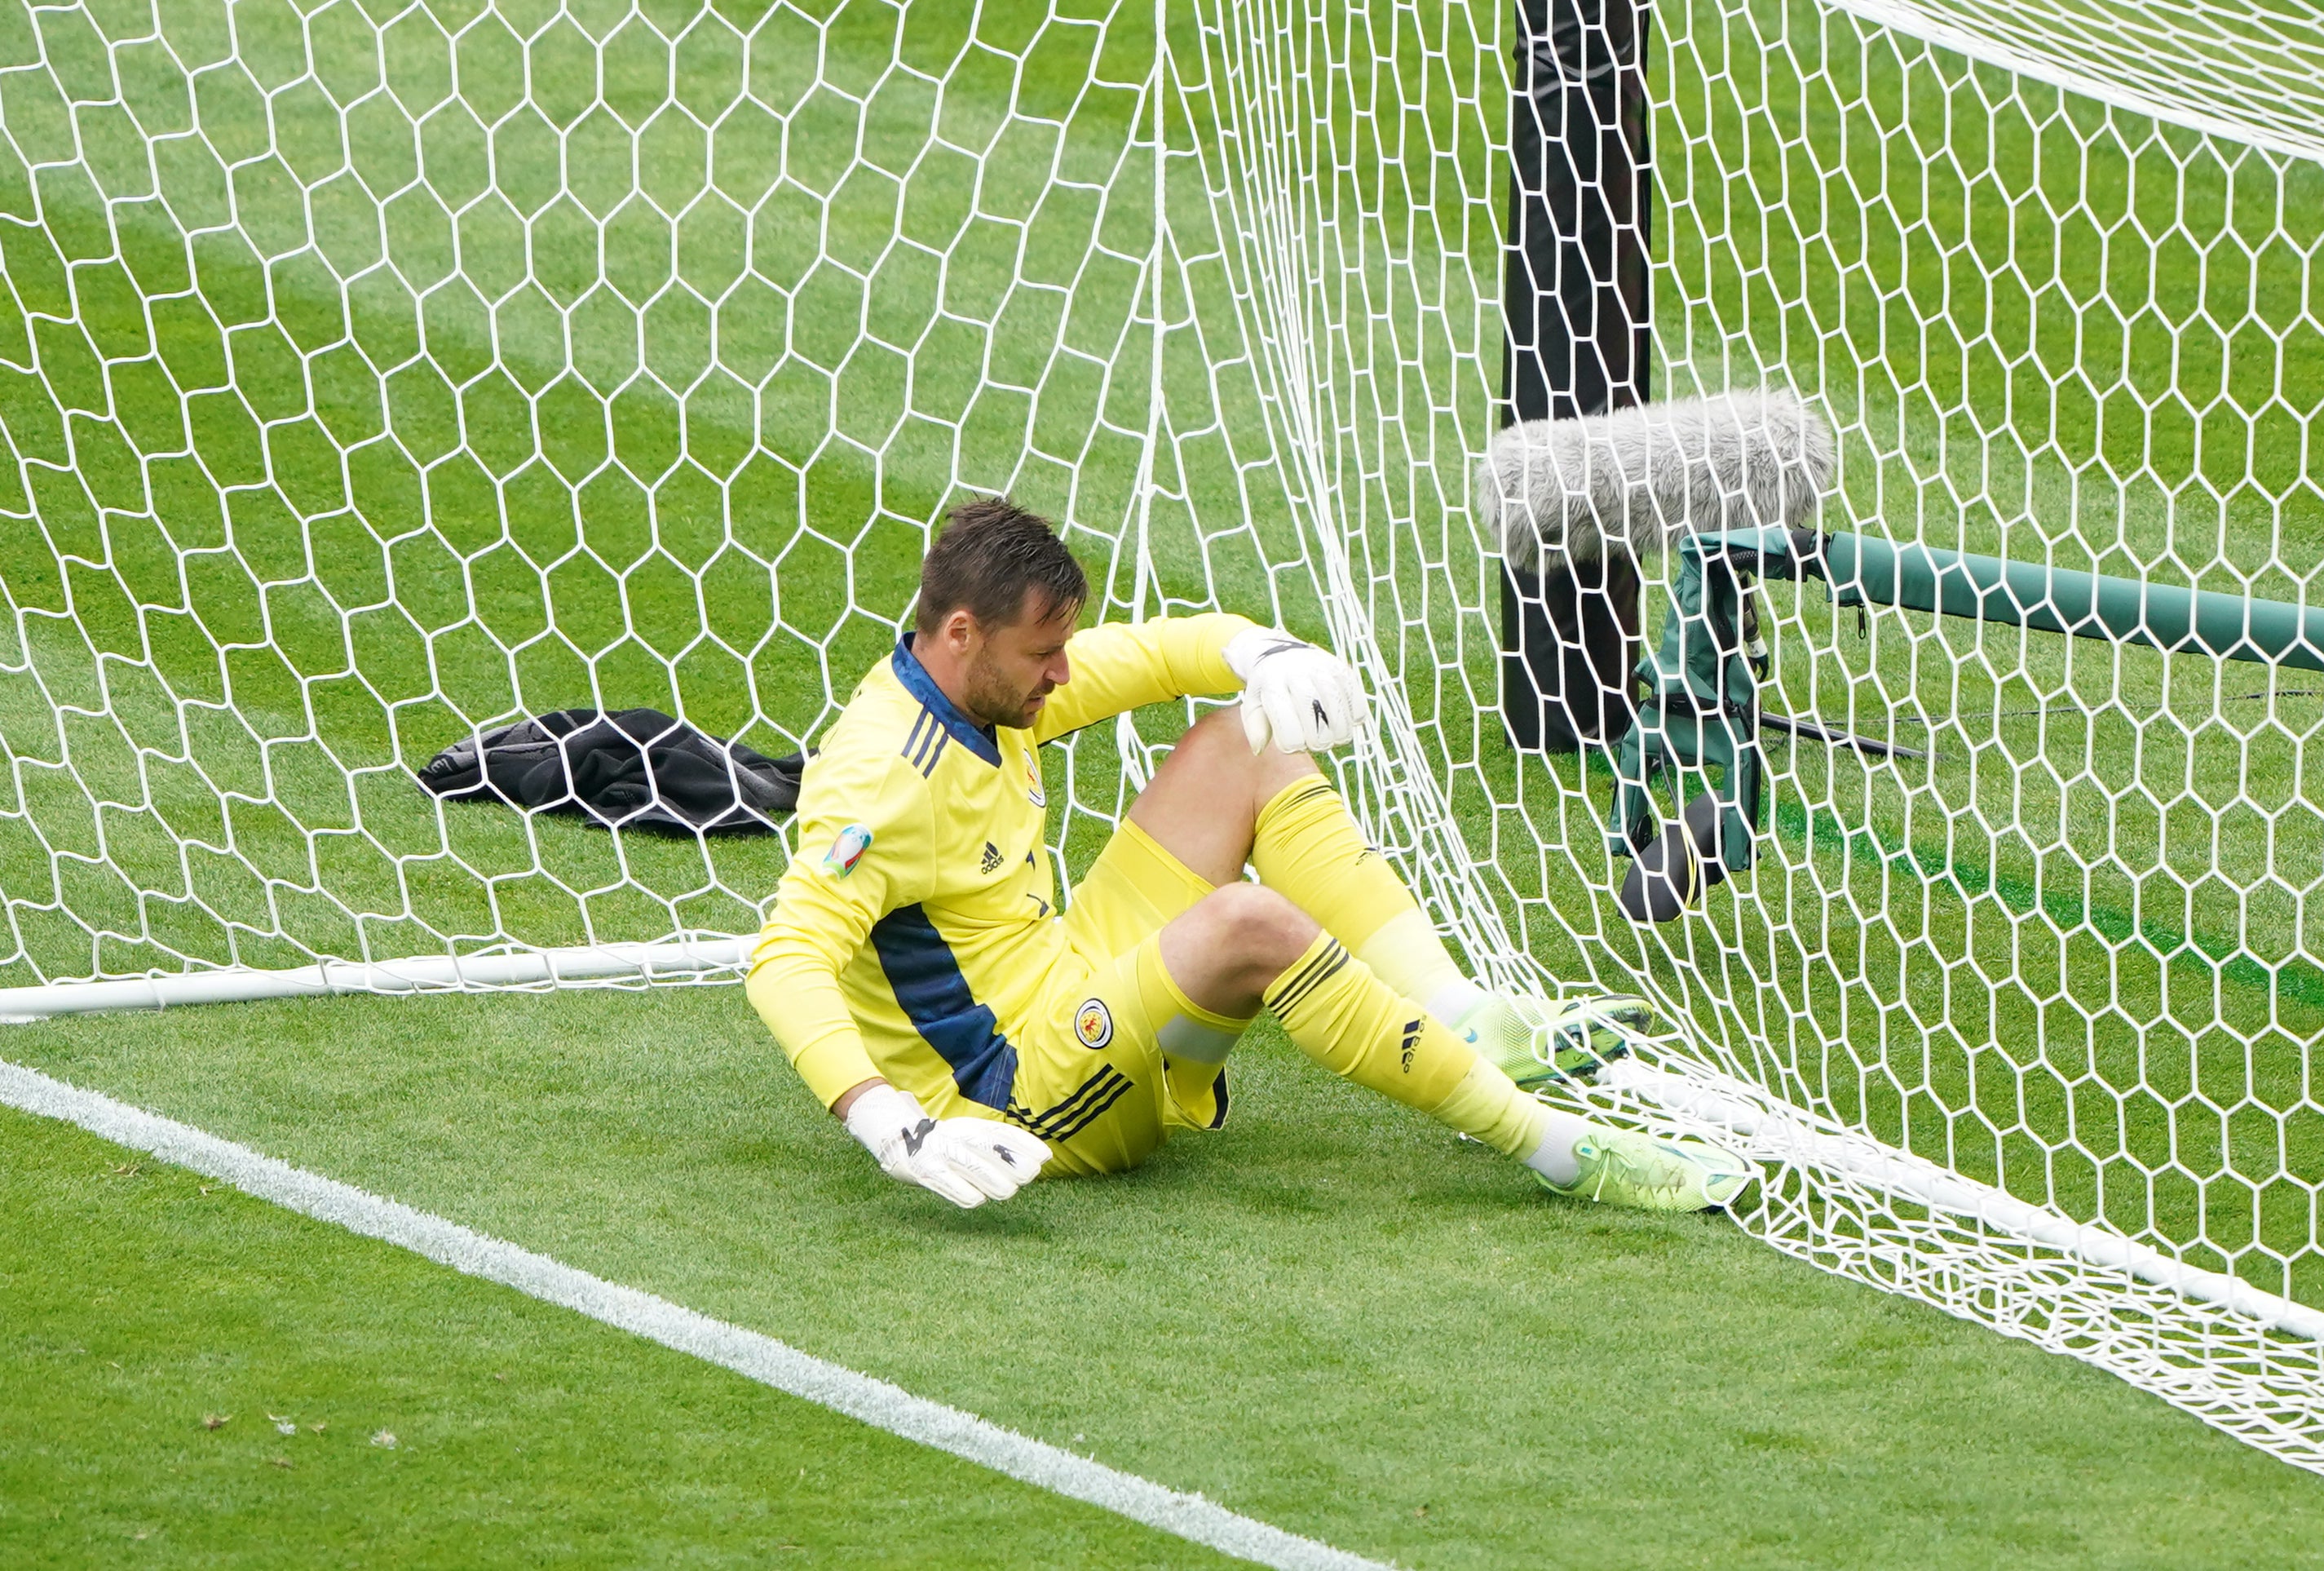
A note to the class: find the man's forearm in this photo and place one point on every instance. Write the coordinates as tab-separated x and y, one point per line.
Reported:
1121	665
797	993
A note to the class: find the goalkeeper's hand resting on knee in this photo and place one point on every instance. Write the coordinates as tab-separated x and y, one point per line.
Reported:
1306	699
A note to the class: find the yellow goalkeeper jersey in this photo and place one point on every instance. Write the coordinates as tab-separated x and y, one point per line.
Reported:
917	923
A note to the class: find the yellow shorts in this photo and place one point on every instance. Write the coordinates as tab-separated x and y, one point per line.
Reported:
1092	1077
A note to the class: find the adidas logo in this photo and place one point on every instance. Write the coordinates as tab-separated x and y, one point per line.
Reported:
991	858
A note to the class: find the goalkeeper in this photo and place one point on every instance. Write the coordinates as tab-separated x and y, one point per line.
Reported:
918	972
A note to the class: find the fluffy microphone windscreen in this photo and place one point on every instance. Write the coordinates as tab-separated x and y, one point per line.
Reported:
1556	491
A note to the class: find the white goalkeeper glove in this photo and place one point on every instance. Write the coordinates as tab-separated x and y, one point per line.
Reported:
967	1160
1306	697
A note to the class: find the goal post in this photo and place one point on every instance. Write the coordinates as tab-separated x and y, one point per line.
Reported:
372	377
1578	315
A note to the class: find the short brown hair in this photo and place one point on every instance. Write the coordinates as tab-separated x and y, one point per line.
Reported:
991	555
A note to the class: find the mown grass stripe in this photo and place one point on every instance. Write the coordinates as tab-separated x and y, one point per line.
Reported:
2297	981
747	1353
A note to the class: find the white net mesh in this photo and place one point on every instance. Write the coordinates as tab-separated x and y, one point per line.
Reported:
373	376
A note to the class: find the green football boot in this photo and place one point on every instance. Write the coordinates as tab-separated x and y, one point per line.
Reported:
1536	1040
1622	1167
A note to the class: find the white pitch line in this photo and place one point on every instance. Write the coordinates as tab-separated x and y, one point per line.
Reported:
746	1353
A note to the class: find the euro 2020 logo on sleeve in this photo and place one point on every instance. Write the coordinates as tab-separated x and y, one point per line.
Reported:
847	849
1093	1023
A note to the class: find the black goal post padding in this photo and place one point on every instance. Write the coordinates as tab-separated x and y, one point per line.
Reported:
1575	303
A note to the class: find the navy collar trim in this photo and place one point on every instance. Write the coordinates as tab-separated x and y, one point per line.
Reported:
914	676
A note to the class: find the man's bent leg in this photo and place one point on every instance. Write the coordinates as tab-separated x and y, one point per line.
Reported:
1246	943
1215	805
1244	946
1116	1057
1306	845
1348	1020
1203	801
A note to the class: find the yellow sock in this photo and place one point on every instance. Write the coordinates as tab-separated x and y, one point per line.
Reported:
1355	1025
1488	1105
1307	850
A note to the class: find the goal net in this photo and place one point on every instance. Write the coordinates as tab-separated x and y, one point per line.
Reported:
375	375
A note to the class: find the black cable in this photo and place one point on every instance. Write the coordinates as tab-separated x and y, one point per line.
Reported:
2086	709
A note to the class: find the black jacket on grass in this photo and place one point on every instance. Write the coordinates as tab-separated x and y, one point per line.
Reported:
629	769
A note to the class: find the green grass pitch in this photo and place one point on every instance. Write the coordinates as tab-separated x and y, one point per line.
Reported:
348	518
160	1330
1329	1317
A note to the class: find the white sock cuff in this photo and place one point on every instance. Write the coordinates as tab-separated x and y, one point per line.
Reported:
1407	953
1553	1159
1456	998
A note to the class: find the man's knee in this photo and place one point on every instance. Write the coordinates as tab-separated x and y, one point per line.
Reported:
1266	931
1217	739
1228	949
1218	745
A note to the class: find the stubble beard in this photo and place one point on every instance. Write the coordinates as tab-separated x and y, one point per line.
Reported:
993	700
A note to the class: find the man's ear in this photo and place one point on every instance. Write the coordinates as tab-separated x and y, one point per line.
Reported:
957	630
